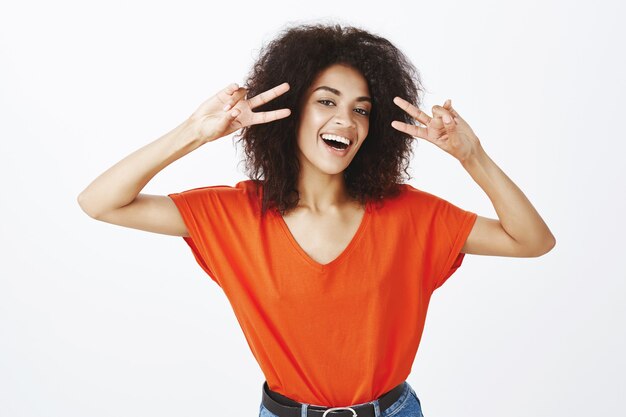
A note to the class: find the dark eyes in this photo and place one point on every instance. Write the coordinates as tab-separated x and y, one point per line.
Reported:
361	111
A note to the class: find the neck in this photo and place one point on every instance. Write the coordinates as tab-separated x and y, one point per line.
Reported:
322	193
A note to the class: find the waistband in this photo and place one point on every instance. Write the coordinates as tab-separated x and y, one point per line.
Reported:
283	406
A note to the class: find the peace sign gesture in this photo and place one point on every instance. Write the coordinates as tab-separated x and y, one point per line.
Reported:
228	110
446	129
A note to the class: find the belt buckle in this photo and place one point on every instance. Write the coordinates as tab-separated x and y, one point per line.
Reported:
340	408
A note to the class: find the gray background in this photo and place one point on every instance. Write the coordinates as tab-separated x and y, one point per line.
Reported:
101	320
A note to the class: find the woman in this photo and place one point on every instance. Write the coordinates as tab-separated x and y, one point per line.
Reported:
328	259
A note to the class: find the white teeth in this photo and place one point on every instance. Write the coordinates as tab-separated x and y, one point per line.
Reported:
337	138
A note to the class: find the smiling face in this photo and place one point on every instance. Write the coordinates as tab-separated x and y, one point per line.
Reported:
337	103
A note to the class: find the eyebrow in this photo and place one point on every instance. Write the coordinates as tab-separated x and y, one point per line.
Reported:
337	92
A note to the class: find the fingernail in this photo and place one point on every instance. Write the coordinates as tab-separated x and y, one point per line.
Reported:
234	113
226	107
446	118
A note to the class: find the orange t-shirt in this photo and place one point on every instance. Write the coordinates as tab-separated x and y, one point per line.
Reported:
336	334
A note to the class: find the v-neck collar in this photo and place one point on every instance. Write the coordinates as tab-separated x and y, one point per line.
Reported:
316	265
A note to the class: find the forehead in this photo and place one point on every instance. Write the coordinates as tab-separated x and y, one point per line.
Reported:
347	80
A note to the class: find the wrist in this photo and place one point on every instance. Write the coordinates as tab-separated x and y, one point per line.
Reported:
191	132
477	156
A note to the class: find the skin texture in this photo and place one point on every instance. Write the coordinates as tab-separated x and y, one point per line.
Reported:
519	230
281	118
297	56
321	182
326	218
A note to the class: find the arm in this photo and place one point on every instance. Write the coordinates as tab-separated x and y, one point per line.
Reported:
519	231
120	185
114	197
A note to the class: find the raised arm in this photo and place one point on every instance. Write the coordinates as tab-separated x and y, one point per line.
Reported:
114	196
519	230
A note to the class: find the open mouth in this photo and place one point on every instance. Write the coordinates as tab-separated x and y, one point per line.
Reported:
335	144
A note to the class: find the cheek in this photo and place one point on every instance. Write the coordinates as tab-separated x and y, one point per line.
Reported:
311	122
364	128
317	118
305	118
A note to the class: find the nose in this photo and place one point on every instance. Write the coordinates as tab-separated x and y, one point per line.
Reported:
344	116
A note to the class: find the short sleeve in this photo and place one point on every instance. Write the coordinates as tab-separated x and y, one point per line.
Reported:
452	225
198	209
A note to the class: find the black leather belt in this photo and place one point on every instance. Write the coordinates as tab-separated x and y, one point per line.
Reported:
286	407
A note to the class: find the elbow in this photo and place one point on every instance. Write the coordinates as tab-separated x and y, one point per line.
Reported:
546	246
84	206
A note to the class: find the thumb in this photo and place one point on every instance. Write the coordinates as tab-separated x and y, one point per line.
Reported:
449	123
448	106
230	118
234	113
225	124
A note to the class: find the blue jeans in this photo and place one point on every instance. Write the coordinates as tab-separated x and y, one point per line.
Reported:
407	405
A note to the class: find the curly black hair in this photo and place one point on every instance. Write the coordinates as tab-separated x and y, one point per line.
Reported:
296	56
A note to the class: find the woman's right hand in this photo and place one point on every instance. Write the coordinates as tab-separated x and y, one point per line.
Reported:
228	110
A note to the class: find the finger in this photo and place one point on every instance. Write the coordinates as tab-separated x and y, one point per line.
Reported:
231	88
268	95
230	119
437	121
234	113
269	116
448	106
234	98
446	117
412	110
417	131
456	115
226	92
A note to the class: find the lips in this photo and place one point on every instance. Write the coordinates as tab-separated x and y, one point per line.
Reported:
332	142
335	151
339	134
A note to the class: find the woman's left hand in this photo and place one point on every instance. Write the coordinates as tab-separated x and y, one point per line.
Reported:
446	129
